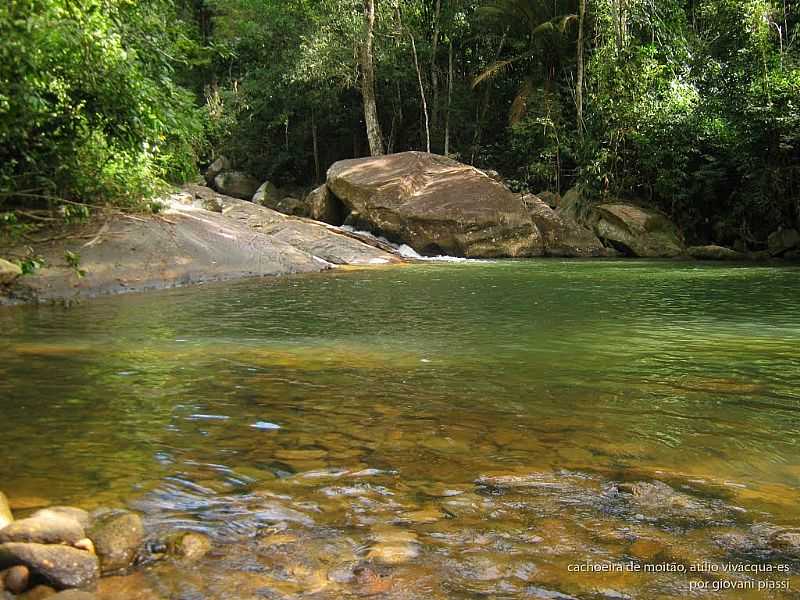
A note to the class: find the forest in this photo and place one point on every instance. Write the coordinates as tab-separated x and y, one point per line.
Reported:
690	106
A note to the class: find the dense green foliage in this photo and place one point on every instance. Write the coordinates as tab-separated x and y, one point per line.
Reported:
689	105
91	110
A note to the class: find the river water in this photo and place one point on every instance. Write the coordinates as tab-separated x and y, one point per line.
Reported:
473	430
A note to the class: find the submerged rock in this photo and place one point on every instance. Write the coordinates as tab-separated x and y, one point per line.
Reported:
435	205
39	592
74	595
236	184
60	566
117	538
44	528
76	514
5	511
189	545
642	232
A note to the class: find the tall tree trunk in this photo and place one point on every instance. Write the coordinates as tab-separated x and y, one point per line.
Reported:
434	72
579	75
315	141
449	100
368	83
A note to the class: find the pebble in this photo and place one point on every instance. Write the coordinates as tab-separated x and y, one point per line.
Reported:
16	579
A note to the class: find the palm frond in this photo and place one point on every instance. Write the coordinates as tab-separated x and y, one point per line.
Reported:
520	104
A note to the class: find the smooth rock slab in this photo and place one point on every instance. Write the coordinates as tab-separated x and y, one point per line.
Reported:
562	237
117	537
713	252
60	566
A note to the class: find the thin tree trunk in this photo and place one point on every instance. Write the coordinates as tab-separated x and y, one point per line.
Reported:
315	141
579	75
368	83
449	100
434	72
419	79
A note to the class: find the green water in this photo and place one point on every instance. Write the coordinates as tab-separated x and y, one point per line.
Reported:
384	395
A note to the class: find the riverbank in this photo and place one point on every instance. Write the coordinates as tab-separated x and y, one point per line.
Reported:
200	236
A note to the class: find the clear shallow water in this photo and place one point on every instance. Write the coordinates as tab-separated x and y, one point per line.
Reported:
445	431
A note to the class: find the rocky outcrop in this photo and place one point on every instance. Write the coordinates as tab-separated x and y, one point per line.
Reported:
782	241
637	231
714	252
183	245
561	236
8	274
552	199
236	184
435	205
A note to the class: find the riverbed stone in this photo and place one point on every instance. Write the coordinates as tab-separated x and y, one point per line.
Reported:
713	252
8	272
117	537
74	595
562	237
635	230
6	517
435	205
189	545
47	528
39	592
786	542
70	512
60	566
236	184
15	579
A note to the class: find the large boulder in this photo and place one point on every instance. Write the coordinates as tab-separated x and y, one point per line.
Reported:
562	236
236	184
324	206
435	205
8	272
638	231
783	241
117	537
60	566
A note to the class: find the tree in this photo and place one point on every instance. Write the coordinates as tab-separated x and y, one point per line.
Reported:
368	82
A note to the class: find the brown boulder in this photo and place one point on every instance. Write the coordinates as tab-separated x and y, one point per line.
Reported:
60	566
435	205
642	232
324	206
561	236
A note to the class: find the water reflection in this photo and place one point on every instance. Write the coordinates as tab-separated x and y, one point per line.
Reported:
433	431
